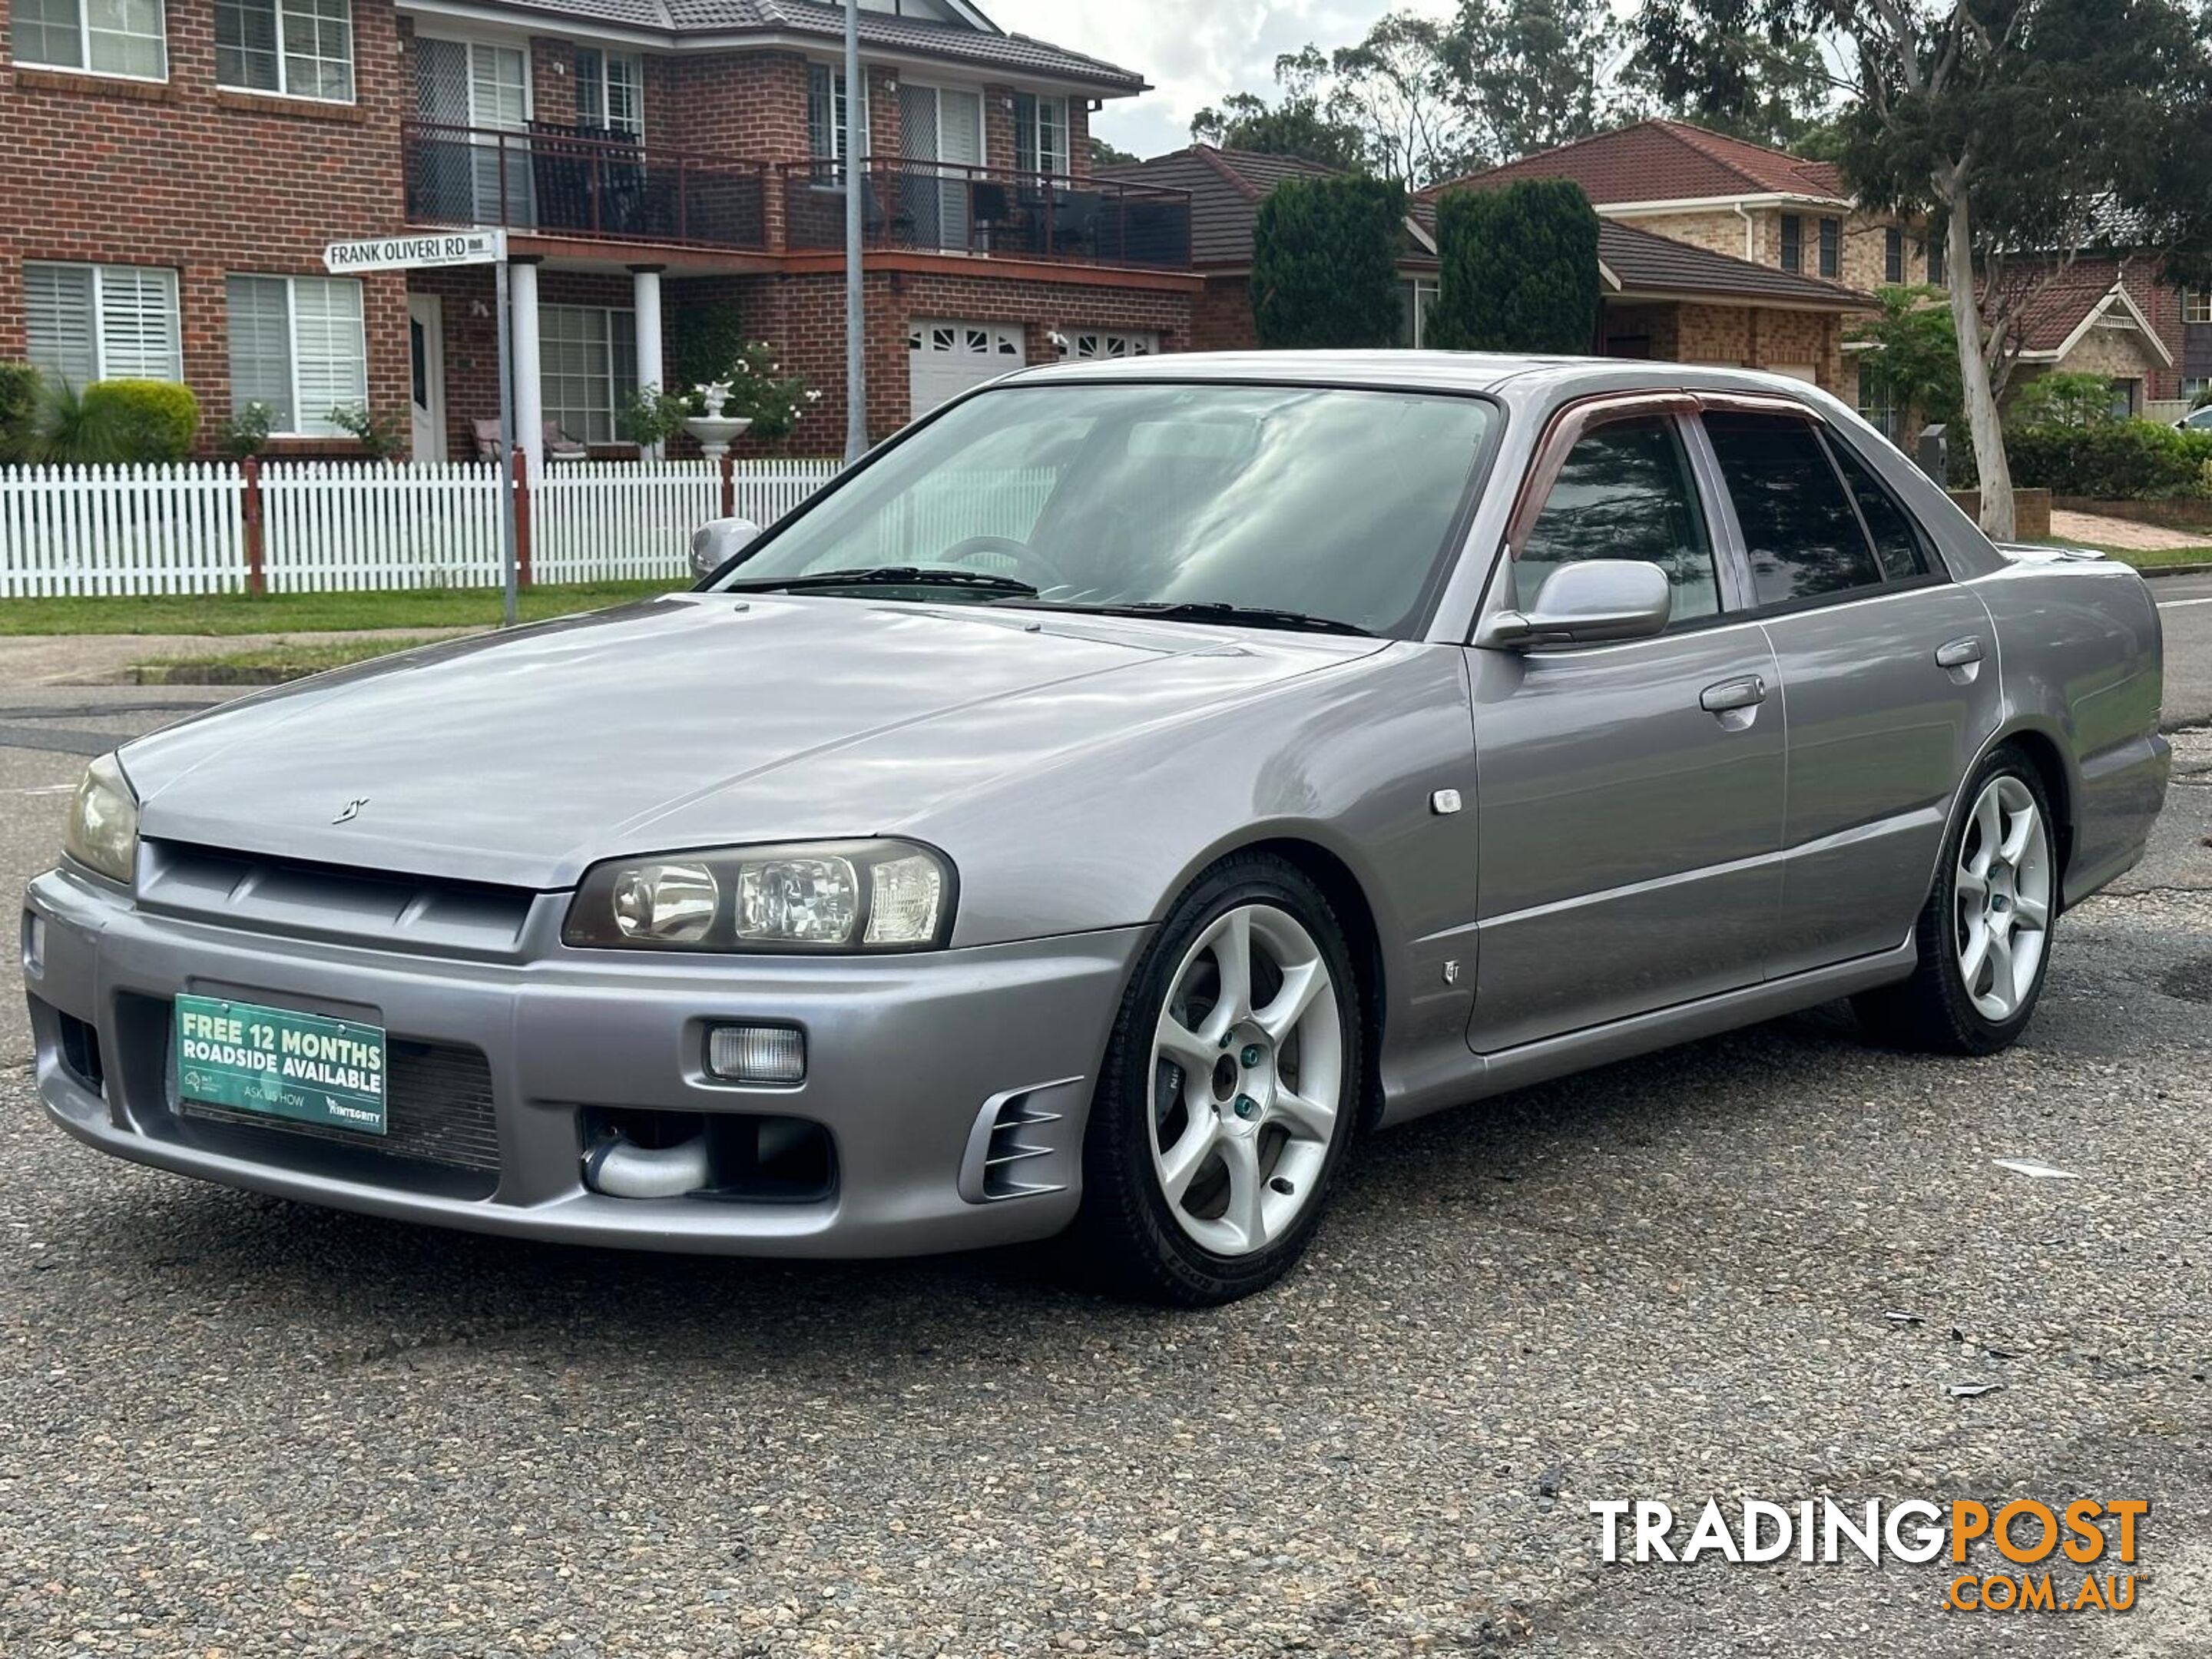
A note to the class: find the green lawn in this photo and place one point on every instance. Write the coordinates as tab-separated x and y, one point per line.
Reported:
287	659
308	613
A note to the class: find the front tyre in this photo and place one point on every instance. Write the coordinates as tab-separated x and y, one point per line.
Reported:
1985	937
1231	1085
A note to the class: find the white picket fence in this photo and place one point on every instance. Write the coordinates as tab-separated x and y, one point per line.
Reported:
334	525
616	521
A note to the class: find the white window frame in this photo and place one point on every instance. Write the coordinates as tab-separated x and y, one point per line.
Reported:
283	88
1425	290
2196	305
615	397
100	350
301	425
84	33
604	81
1050	163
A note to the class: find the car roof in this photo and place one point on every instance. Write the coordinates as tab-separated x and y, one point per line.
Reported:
1524	378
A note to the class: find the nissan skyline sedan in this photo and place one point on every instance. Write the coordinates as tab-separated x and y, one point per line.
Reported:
1095	813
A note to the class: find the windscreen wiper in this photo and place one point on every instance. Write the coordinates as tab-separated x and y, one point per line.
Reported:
883	576
1213	610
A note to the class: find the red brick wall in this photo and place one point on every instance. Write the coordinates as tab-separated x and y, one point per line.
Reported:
1221	318
471	338
206	183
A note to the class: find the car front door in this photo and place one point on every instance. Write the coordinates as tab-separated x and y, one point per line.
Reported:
1630	797
1889	683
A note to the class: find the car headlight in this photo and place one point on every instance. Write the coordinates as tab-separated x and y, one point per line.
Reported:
103	821
815	895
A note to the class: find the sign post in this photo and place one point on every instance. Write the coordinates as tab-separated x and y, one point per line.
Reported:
458	248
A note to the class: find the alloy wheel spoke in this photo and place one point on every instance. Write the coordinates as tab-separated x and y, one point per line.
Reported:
2001	979
1305	1119
2032	912
1240	1155
1301	985
1972	883
2015	844
1184	1160
1232	954
1989	818
1976	954
1178	1043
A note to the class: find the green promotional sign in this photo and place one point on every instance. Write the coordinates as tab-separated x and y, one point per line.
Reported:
280	1063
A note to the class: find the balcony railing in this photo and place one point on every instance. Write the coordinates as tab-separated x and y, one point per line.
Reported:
935	207
581	181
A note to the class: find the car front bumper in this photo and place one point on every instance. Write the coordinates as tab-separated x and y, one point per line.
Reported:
908	1058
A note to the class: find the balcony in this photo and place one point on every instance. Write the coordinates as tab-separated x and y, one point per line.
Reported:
939	208
582	182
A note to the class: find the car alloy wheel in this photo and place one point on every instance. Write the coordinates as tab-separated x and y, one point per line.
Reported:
2002	892
1246	1078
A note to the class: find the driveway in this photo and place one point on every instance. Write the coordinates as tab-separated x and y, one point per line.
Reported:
2102	532
232	1425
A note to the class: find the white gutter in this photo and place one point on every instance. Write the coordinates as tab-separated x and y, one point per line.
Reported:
1750	226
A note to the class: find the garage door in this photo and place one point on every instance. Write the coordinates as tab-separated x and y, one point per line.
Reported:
1795	372
946	359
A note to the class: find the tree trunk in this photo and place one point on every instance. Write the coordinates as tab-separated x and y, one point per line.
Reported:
1989	463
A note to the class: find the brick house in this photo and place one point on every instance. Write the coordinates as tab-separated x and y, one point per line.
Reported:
175	168
1796	215
1661	296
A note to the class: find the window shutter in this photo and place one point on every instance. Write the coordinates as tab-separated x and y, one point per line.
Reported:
1027	156
58	301
245	44
138	325
261	347
46	32
821	118
331	357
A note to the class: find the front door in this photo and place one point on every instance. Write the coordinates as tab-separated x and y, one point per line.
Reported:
426	352
1630	796
941	138
1888	681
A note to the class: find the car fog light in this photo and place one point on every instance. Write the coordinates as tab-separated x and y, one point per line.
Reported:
756	1054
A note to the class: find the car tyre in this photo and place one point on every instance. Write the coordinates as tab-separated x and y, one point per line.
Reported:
1984	935
1219	1120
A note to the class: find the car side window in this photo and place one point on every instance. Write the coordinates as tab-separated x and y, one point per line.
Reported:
1625	492
1903	553
1803	539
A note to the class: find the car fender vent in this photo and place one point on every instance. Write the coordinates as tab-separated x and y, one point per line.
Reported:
1024	1144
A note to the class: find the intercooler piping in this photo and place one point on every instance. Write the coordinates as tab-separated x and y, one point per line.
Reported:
623	1168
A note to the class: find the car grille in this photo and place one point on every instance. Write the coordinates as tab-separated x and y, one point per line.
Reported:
437	1110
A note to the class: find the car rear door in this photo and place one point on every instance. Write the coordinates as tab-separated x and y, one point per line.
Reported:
1630	796
1889	681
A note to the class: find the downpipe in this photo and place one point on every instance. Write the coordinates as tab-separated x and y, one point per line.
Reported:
620	1167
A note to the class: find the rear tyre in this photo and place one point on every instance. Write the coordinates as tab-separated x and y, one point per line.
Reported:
1231	1085
1985	936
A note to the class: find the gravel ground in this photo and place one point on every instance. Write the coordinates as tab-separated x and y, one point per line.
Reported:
231	1426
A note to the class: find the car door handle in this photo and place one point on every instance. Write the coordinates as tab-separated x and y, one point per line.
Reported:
1960	653
1748	692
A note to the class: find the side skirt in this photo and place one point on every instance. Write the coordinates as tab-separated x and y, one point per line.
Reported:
1576	1051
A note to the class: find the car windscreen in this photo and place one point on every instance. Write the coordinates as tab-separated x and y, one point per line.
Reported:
1331	502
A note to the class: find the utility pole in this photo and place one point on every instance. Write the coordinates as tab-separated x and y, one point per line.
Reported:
856	309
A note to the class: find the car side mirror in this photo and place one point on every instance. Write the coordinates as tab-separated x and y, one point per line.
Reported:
1585	603
715	542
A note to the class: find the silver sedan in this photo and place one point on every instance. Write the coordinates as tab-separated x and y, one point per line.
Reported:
1102	807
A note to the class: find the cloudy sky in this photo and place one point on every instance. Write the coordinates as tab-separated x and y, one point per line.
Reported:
1193	51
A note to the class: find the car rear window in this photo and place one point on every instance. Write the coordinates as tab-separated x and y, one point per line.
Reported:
1802	536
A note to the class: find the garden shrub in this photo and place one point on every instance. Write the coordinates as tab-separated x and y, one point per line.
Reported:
152	420
1325	263
1520	269
19	408
2112	460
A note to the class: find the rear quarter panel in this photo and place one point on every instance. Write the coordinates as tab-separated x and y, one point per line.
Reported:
2083	665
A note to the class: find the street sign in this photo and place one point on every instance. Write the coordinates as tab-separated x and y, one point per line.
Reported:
445	248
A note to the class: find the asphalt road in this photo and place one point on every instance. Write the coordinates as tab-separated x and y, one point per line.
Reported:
233	1427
